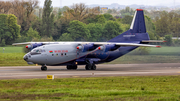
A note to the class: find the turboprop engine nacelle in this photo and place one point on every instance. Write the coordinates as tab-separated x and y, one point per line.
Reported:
108	47
86	47
32	46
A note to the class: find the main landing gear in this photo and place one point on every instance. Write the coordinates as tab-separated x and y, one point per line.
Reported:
43	68
71	67
90	67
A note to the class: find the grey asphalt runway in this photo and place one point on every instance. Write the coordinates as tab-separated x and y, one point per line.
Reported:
31	72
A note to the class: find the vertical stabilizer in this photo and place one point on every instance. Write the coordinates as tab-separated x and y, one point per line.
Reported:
138	22
137	31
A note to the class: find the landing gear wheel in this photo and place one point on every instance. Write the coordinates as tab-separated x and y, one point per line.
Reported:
69	67
43	68
75	67
88	67
93	67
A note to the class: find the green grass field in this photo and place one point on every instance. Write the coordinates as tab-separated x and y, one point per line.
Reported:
124	88
165	51
138	59
13	56
12	59
12	49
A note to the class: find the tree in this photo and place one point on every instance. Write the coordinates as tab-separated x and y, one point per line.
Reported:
3	43
5	7
168	23
23	10
32	34
127	19
162	24
150	28
79	12
79	31
66	37
168	39
13	27
107	16
47	19
92	18
110	11
111	29
9	29
127	11
124	27
101	19
174	23
96	30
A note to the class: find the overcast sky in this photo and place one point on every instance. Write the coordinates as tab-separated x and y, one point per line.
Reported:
58	3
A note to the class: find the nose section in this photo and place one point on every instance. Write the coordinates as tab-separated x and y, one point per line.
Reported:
25	57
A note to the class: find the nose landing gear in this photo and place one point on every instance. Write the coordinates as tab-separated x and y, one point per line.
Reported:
43	68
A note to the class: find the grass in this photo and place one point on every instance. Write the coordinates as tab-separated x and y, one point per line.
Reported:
12	49
165	51
130	88
137	59
12	59
13	56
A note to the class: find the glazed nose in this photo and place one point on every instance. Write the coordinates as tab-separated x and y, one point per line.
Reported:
25	57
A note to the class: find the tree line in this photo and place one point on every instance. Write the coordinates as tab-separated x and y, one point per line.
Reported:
22	21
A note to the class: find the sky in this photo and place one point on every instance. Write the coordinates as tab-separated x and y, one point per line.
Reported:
60	3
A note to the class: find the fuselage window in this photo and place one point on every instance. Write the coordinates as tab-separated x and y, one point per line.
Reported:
61	54
52	54
64	53
56	54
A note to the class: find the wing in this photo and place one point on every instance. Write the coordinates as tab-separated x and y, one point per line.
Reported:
153	41
24	43
27	43
32	45
124	44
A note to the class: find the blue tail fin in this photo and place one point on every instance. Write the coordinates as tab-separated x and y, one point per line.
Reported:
137	31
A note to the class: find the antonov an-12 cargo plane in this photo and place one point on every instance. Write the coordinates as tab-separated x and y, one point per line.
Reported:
73	54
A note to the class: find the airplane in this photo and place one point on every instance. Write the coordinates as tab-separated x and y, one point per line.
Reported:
72	54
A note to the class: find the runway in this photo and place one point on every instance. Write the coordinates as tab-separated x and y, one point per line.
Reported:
32	72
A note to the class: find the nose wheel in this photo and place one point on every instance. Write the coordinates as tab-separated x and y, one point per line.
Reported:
43	68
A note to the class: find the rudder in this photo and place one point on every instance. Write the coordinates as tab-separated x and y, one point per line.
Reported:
137	31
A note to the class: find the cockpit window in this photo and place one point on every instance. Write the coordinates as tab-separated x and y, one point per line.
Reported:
38	50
